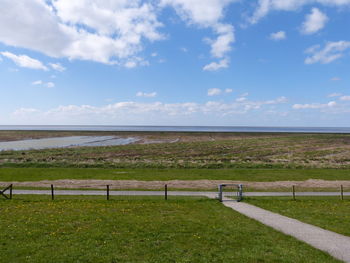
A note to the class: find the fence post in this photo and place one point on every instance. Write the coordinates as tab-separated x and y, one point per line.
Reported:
107	192
341	192
11	191
166	192
240	192
52	193
220	192
293	192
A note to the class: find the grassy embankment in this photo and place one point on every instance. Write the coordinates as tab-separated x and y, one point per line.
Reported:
329	213
252	175
150	230
32	175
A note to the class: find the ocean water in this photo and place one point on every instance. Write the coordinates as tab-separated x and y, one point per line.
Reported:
178	128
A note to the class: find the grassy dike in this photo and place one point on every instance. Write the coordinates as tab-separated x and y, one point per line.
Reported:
253	175
34	229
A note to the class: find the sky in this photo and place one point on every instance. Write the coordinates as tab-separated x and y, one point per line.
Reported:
175	62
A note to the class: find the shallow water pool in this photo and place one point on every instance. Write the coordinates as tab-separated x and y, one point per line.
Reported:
63	142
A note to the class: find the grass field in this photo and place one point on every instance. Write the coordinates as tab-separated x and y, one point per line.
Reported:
193	150
34	229
326	212
176	179
254	175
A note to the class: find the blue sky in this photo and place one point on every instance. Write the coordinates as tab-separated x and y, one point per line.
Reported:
175	62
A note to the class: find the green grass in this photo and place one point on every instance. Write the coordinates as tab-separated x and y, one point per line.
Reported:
34	229
326	212
258	175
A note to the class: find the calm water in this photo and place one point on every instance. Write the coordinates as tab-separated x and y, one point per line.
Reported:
62	142
181	128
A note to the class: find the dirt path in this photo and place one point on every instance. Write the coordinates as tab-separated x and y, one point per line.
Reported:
335	244
183	184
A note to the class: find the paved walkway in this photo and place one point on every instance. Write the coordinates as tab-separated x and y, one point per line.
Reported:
115	193
335	244
171	193
296	194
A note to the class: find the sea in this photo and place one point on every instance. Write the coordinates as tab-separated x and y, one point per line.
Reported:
177	128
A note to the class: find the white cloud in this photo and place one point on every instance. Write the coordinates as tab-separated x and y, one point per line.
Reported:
241	99
277	101
332	95
264	7
314	22
154	54
314	105
214	92
85	29
214	66
280	35
331	52
135	62
24	61
147	95
57	67
222	44
208	14
43	84
89	30
38	82
50	85
25	112
345	98
202	12
33	25
126	111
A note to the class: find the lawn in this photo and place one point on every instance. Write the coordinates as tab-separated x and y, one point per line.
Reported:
326	212
34	229
252	175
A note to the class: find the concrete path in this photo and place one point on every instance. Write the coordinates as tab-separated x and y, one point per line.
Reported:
174	193
114	193
335	244
296	194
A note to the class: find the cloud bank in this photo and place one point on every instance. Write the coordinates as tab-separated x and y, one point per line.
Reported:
110	32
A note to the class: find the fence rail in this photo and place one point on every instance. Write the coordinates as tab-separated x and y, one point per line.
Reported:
109	192
8	188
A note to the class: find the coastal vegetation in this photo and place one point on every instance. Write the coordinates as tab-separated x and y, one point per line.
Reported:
191	150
